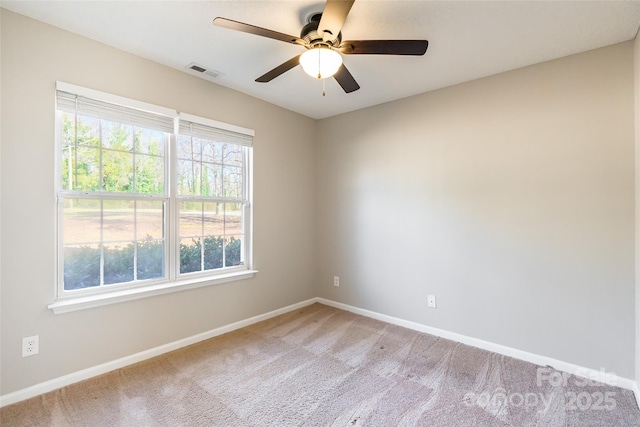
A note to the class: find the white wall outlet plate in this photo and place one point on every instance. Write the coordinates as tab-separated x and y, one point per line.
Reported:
30	346
431	301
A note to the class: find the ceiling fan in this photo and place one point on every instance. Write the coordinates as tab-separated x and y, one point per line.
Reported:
322	38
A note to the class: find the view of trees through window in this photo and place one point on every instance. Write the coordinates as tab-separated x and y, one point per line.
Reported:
115	202
209	173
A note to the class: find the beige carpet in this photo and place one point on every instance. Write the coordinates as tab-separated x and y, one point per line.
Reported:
320	366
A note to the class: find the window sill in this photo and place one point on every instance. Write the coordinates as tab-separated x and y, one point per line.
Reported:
82	303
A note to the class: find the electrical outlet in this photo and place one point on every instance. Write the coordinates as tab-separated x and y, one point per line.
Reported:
30	346
336	281
431	301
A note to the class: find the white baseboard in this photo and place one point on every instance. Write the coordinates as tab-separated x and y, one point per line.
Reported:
84	374
537	359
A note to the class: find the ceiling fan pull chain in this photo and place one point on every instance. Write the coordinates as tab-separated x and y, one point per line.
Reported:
323	87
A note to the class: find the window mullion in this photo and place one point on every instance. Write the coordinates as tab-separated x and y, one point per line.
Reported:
214	199
247	229
201	162
109	196
101	159
171	221
224	232
75	151
101	242
224	208
100	182
135	240
202	266
134	185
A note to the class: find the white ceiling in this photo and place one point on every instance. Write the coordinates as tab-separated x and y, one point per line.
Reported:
467	40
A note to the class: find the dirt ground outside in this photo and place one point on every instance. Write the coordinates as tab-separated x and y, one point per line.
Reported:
82	226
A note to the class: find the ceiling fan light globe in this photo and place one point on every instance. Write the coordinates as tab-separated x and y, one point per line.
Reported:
320	62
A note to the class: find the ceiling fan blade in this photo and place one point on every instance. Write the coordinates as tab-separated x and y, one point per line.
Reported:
258	31
280	69
384	47
333	16
346	80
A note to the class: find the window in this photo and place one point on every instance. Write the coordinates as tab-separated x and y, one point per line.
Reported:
147	197
211	189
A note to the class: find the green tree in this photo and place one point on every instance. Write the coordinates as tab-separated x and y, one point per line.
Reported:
81	153
117	160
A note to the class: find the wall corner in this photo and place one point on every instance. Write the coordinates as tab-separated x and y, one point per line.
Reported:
636	73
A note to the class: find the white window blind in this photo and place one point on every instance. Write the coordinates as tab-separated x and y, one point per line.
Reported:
73	103
214	131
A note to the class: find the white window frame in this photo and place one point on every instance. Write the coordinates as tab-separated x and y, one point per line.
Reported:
72	300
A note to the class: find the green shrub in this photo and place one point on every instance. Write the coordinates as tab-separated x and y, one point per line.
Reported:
233	252
82	264
118	264
81	267
150	259
190	256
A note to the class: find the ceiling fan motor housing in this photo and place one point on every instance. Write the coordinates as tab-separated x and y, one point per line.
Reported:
311	37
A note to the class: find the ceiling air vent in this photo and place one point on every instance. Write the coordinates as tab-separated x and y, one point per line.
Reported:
204	71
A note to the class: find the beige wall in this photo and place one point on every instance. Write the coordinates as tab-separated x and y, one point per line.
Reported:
34	56
511	198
